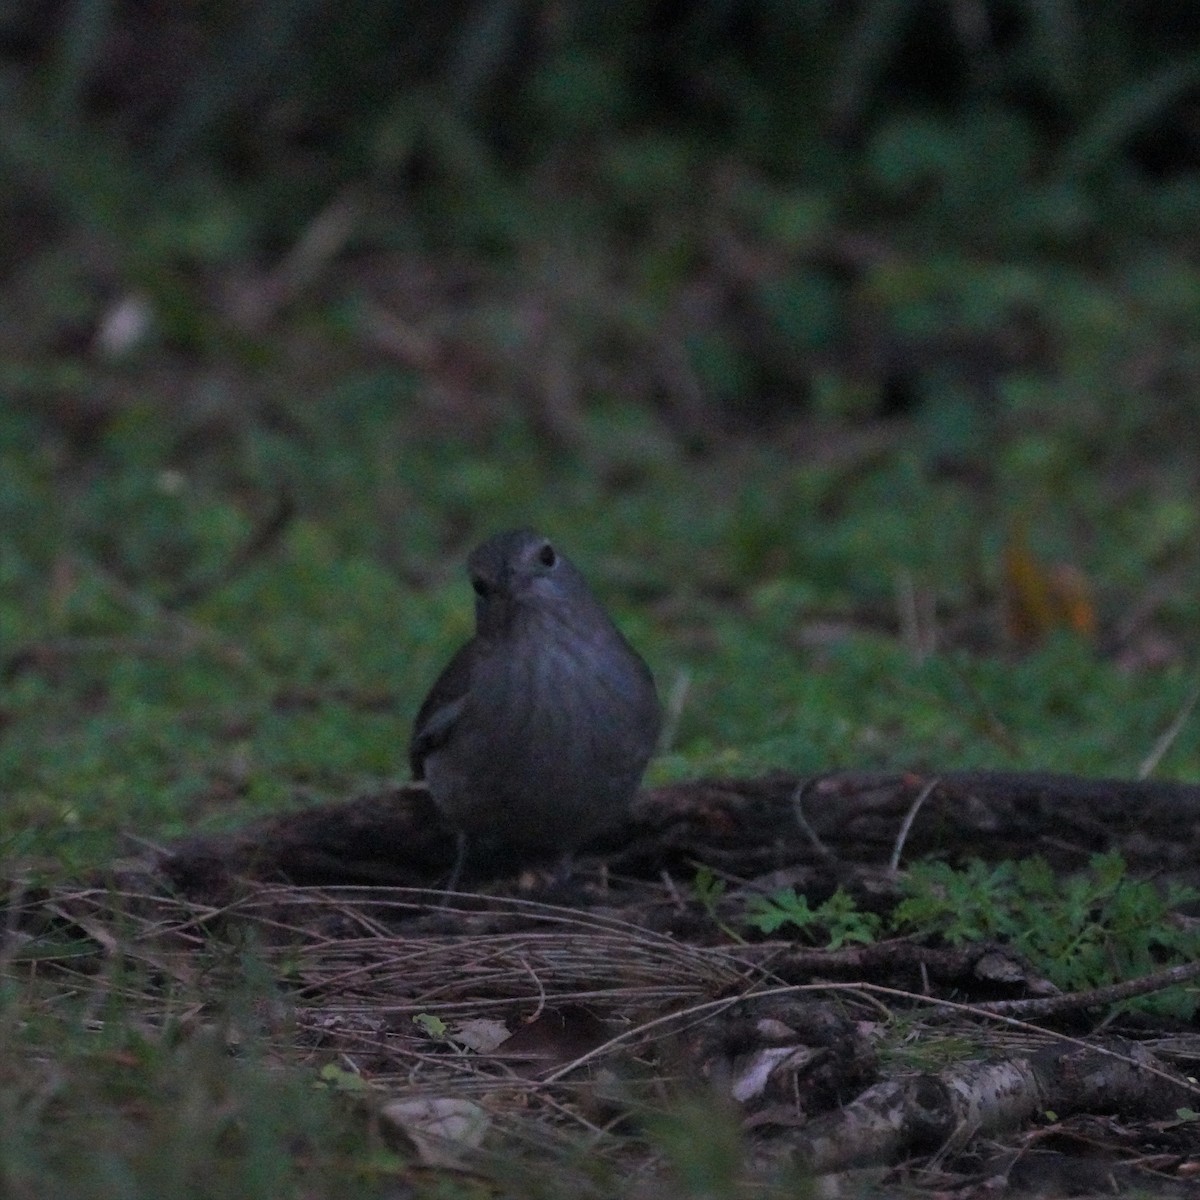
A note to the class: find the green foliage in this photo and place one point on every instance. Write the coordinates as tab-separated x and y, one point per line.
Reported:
702	1144
431	1025
836	921
651	139
708	889
340	1080
1092	928
125	1113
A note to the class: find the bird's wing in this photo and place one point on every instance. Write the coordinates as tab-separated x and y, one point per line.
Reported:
441	709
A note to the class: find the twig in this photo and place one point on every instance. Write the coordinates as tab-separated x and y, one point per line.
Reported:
1113	993
33	654
261	539
907	823
674	709
803	822
989	719
859	987
190	632
1167	738
917	616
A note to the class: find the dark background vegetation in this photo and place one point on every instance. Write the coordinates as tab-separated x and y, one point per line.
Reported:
826	336
851	348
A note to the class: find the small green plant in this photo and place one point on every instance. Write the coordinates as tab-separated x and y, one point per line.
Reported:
338	1079
838	918
1093	928
708	890
432	1026
703	1146
961	905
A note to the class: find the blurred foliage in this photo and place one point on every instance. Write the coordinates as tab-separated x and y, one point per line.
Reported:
850	348
115	1092
722	208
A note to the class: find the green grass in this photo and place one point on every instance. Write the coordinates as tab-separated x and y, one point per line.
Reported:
761	585
101	1099
297	679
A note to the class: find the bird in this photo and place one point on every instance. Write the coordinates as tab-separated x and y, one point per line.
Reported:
534	738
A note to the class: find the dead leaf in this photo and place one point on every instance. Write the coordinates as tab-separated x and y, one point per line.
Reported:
440	1129
754	1071
1042	597
481	1035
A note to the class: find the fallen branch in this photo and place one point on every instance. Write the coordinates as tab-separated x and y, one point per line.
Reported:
745	827
944	1110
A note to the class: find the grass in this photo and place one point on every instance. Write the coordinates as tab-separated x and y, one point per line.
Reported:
298	677
101	1096
763	589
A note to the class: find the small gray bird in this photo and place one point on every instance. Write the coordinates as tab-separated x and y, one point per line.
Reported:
535	736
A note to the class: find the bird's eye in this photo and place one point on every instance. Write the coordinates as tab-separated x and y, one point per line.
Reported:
546	555
480	586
